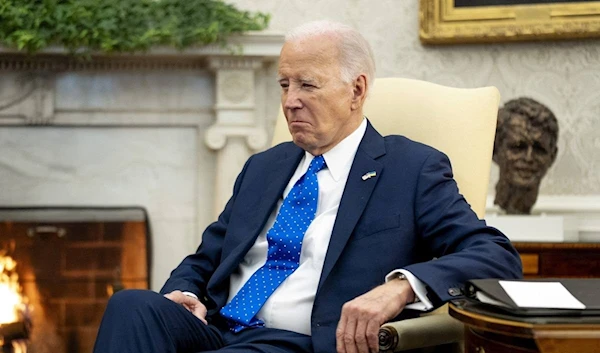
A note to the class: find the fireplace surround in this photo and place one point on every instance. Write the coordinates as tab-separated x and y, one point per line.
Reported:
166	130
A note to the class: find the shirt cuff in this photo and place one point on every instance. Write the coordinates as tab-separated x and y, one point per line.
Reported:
190	294
418	287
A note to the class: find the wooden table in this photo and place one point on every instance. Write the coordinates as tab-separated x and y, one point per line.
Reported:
488	331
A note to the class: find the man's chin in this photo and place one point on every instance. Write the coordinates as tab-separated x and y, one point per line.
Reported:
526	182
300	140
305	143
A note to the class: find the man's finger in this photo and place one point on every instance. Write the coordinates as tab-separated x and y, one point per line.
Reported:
192	304
373	335
360	336
200	312
195	307
349	337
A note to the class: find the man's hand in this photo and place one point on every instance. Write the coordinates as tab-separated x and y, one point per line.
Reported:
190	303
361	318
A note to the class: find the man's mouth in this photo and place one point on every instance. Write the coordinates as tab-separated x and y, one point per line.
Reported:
297	122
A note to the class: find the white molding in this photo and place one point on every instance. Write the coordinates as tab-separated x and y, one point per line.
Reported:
140	118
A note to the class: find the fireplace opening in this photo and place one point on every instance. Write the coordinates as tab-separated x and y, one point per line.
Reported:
67	262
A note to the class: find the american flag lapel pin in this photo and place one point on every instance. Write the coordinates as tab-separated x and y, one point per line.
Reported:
369	175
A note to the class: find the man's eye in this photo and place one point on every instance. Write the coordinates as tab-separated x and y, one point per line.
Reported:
307	85
539	148
284	85
518	146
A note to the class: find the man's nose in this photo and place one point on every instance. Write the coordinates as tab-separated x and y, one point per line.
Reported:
292	99
529	153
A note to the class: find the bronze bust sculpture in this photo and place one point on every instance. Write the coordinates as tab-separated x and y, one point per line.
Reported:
524	149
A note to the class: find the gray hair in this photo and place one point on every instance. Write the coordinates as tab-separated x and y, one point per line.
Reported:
356	56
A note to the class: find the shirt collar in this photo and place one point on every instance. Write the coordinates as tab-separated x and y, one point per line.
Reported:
339	158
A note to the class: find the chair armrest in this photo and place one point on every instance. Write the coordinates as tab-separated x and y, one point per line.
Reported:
424	331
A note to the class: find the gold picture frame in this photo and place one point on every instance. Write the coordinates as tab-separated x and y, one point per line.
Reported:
441	22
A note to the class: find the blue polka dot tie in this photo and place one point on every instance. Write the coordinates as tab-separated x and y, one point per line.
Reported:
283	257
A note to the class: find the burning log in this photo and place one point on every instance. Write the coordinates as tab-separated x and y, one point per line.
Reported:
12	333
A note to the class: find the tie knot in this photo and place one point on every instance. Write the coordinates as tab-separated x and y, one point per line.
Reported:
316	164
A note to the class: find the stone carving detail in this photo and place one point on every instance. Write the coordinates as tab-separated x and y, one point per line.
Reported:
216	136
235	63
27	97
235	106
236	87
16	90
524	149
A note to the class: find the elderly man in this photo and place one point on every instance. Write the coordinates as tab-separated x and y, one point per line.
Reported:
325	238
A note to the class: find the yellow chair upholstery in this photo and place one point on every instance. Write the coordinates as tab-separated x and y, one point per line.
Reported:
458	122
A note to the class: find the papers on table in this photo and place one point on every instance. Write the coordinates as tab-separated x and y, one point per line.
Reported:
552	295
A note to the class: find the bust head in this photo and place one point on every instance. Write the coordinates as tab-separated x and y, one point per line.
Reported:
524	149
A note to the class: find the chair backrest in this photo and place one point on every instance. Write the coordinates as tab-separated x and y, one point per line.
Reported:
459	122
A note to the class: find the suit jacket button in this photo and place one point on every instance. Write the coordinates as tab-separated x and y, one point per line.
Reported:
454	292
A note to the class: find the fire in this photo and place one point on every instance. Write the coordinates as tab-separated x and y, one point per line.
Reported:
11	301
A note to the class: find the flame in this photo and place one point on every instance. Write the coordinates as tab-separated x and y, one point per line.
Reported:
11	301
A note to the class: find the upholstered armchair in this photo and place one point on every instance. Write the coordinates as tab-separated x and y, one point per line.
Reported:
459	122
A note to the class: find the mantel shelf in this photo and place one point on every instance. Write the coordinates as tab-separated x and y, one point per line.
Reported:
260	45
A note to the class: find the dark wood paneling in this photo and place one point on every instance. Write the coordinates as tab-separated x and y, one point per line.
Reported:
561	260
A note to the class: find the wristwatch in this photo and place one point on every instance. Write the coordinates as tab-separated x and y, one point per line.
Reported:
401	276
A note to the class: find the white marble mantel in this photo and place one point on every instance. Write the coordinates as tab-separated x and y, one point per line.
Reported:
167	130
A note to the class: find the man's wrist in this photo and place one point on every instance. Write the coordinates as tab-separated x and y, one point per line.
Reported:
412	296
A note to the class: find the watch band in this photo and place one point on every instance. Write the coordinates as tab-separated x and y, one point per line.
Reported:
401	276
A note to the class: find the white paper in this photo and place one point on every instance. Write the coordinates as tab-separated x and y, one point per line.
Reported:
551	295
484	298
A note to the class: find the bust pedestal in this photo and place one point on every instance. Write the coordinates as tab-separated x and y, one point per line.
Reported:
538	228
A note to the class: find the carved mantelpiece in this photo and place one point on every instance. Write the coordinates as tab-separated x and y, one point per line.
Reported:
198	115
27	98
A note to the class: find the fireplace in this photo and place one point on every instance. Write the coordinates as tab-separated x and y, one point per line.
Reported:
69	261
167	130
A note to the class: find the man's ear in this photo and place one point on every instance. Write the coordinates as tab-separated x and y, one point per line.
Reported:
359	91
554	154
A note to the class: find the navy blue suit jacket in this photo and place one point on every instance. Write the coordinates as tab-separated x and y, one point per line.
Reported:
405	216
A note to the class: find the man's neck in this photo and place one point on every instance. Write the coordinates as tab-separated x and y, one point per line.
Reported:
515	199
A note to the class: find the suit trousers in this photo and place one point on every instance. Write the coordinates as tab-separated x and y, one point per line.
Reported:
145	321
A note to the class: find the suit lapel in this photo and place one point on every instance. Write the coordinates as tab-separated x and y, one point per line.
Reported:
355	197
267	186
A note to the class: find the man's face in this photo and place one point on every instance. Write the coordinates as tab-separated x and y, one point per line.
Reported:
526	153
319	107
